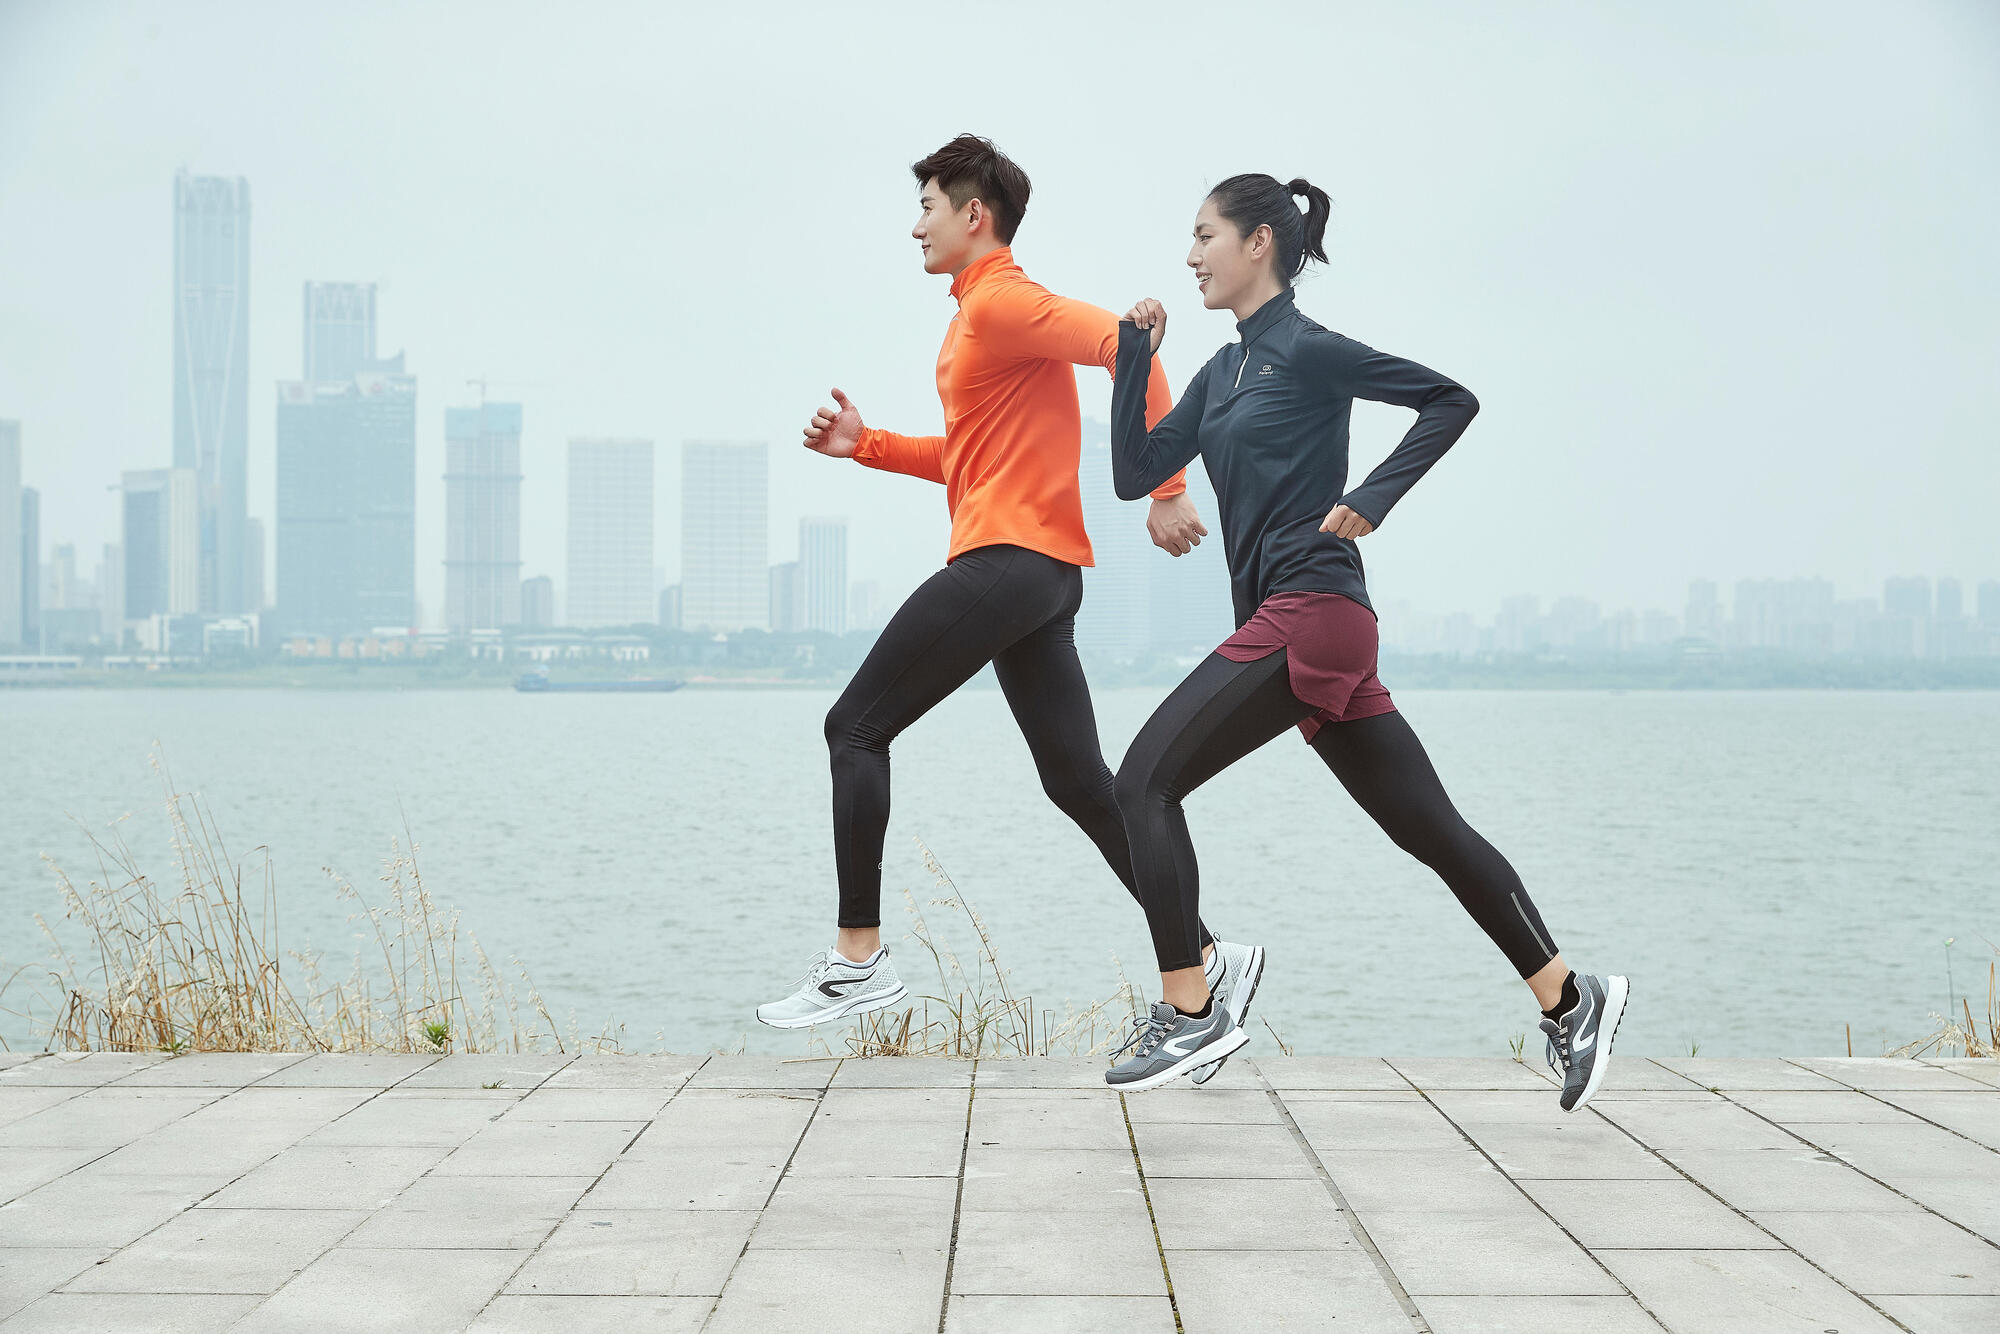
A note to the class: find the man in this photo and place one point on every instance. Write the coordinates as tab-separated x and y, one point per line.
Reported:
1013	577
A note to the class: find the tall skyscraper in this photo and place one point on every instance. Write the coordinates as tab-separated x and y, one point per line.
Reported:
787	598
538	603
62	587
610	579
162	527
111	593
253	565
1116	621
482	531
10	532
1704	611
31	569
725	583
823	575
211	371
1192	608
347	475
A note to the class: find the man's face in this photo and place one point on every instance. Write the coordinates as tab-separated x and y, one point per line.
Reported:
946	233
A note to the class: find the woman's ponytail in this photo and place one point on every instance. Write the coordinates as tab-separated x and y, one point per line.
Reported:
1255	200
1318	209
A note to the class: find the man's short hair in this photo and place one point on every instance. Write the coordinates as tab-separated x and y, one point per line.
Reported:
970	167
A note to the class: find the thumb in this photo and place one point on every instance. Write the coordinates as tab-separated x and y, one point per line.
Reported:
1201	527
842	399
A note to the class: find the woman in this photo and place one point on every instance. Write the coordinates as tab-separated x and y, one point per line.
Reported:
1269	417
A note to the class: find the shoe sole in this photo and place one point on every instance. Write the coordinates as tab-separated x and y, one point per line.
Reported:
1194	1060
1616	991
1256	976
841	1010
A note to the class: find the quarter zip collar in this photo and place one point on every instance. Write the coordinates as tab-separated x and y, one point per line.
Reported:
970	275
1264	316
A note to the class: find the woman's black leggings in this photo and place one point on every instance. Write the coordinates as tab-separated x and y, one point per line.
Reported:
1005	605
1225	710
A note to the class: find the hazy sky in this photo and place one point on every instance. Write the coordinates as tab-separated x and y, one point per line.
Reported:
1723	276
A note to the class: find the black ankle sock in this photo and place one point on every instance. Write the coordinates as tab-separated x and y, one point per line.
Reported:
1570	997
1204	1012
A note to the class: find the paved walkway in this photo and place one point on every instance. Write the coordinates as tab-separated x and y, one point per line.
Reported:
730	1193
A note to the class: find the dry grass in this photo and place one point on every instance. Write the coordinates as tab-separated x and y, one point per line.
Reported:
196	964
1956	1038
974	1011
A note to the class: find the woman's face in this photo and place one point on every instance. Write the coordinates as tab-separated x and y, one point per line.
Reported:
1226	263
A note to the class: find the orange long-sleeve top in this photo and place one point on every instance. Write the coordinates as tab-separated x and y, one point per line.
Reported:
1012	430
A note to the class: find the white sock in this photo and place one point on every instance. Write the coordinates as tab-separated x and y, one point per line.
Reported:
869	962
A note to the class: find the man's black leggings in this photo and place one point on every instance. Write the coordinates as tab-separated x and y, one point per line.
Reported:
1005	605
1225	710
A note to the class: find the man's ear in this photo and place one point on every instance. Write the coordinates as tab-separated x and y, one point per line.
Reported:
975	214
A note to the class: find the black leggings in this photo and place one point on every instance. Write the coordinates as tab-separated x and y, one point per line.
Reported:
1005	605
1225	710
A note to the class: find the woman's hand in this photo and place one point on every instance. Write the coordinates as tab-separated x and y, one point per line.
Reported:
1150	314
1174	525
1344	522
835	432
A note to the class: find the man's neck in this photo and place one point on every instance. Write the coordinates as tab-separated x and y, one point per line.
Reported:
974	256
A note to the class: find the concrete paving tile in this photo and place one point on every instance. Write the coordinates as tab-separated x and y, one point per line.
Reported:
1974	1115
1398	1127
152	1313
1059	1315
221	1250
1972	1202
1884	1072
103	1117
903	1072
1472	1072
1637	1074
549	1103
211	1069
1403	1094
1043	1072
1894	1252
348	1070
9	1059
331	1177
26	1100
1429	1181
522	1147
695	1178
1050	1122
1266	1215
91	1208
1205	1107
917	1103
1741	1292
1461	1254
224	1148
306	1105
1802	1108
647	1252
410	1292
1734	1073
785	1292
592	1315
1215	1151
27	1271
1944	1315
411	1119
1983	1069
1221	1291
1755	1180
1330	1072
511	1070
1055	1253
1578	1147
859	1214
1663	1215
726	1120
666	1073
1697	1125
78	1069
508	1213
927	1148
1535	1315
762	1072
23	1170
1030	1180
1911	1150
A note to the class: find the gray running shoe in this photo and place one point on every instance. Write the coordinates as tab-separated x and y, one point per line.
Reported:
1580	1041
1167	1044
1242	970
834	989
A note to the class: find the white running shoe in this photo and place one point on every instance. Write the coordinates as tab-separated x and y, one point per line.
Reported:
1241	969
833	988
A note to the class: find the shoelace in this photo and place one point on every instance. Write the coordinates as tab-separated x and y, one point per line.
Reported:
820	965
1562	1051
1148	1033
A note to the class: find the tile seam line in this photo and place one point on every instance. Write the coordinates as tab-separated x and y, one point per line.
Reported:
1508	1177
536	1249
1876	1096
1717	1196
819	1102
1152	1219
1419	1322
958	1199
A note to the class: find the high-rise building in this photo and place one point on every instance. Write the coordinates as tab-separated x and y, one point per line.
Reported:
1909	596
1950	599
347	475
339	331
725	582
1704	611
10	532
31	568
787	598
610	575
1193	610
1116	621
823	575
162	546
482	531
62	589
1989	603
670	607
211	371
111	592
253	565
538	603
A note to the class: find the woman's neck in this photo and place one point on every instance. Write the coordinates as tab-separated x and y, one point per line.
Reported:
1255	300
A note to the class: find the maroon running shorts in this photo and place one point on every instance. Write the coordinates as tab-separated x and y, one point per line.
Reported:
1329	644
